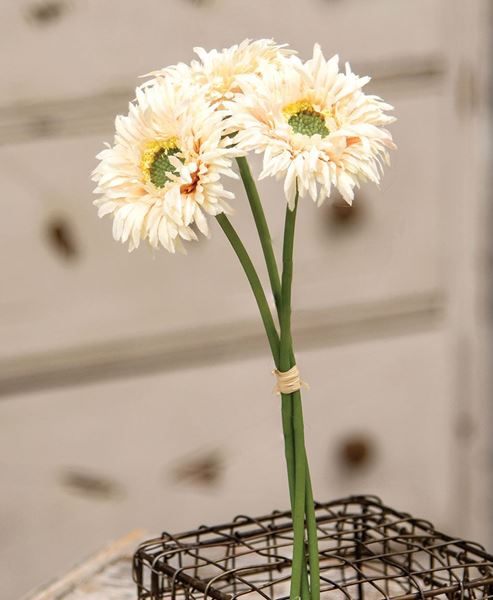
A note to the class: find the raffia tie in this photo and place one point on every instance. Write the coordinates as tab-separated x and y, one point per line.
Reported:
288	382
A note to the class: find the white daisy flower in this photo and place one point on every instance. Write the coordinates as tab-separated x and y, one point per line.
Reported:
163	173
218	70
315	126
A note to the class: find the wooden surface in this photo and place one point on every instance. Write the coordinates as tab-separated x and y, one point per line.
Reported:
105	576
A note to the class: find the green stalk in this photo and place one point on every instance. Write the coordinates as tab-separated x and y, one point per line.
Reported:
312	537
286	352
262	228
287	428
301	461
253	279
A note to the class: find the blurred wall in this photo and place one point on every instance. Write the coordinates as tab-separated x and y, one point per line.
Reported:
135	390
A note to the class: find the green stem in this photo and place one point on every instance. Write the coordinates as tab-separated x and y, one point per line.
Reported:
312	532
287	422
299	557
253	279
262	228
286	344
287	428
286	352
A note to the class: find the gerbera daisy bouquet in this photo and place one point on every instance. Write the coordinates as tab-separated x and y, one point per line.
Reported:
167	174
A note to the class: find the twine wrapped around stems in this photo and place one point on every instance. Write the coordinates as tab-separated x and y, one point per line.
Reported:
288	382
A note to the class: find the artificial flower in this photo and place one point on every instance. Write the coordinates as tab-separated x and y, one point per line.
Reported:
314	125
218	71
163	172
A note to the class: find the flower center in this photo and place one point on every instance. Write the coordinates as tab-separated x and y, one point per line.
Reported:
304	119
155	163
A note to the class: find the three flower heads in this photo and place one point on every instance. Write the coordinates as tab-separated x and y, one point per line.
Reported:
165	172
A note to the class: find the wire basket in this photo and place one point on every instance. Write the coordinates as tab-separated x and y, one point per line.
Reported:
367	551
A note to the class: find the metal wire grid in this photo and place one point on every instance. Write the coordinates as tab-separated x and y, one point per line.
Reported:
368	551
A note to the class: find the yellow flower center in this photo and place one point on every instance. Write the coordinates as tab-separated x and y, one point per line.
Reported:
304	119
155	164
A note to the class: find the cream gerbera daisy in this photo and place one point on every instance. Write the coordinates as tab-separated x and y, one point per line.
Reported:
163	172
218	71
315	126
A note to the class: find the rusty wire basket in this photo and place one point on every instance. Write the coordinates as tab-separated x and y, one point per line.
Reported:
367	551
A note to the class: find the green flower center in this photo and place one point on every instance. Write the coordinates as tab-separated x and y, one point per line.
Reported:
308	122
155	164
304	119
161	168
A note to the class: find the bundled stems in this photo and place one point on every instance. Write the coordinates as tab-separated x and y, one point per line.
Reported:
281	346
287	402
